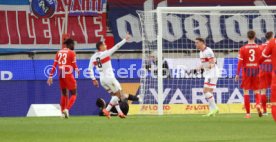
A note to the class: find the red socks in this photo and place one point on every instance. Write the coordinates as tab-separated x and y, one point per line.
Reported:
264	100
258	99
273	112
63	102
273	101
247	103
71	101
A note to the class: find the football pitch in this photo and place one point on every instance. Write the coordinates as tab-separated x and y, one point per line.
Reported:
174	128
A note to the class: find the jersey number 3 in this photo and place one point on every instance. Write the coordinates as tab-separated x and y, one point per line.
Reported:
252	55
62	58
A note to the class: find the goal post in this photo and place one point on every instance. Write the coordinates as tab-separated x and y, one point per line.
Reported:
159	64
168	36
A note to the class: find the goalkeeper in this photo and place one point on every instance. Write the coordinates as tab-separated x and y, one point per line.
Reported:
101	104
123	104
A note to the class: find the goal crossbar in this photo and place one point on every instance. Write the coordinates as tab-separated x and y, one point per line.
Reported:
217	8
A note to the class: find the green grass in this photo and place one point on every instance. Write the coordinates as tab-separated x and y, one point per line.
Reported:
168	128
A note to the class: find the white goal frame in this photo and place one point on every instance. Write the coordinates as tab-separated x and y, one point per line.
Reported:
161	10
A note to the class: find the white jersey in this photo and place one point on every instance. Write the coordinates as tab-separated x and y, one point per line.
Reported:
102	61
205	56
210	74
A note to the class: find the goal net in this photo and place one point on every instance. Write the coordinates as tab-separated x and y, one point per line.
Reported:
169	84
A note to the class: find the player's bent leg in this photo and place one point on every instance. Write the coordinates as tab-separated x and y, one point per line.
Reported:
264	101
64	102
273	111
114	102
72	99
133	97
71	85
209	86
130	97
273	101
247	103
124	97
208	93
71	102
258	102
116	96
116	88
106	111
64	94
63	99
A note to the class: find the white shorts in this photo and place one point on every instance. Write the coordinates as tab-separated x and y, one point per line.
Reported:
110	84
210	82
211	78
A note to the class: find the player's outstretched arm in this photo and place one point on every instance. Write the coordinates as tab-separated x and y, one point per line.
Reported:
91	73
118	45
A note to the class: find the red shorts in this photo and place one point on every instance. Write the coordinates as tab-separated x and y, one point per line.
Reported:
265	80
250	83
68	82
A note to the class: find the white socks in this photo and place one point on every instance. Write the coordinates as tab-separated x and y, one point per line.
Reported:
114	102
211	101
118	108
108	108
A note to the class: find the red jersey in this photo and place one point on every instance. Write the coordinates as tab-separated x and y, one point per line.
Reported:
270	52
66	61
265	66
249	56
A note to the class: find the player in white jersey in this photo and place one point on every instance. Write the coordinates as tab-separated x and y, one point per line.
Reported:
208	63
102	61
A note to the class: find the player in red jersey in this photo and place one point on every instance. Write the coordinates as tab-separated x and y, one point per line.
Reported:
270	52
66	61
249	56
265	73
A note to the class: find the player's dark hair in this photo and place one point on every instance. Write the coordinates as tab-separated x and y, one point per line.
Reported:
251	34
268	35
98	44
70	43
100	103
200	39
